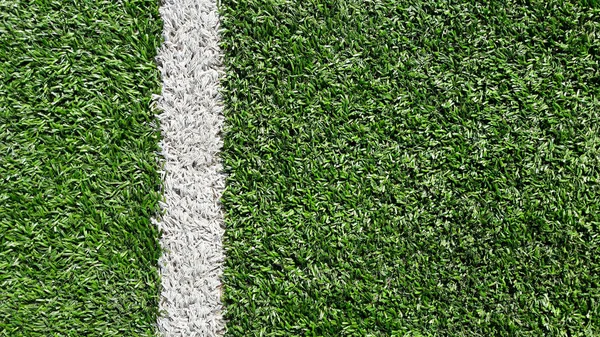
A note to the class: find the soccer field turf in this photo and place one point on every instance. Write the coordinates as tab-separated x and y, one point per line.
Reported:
412	168
78	168
395	168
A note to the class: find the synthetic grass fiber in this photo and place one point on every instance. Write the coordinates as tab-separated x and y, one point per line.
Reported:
191	118
412	168
78	168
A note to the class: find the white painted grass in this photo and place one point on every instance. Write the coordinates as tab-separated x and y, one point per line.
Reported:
191	118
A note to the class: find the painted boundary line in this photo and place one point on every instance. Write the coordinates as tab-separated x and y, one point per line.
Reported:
191	119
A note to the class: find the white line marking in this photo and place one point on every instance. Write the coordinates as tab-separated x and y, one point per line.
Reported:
191	118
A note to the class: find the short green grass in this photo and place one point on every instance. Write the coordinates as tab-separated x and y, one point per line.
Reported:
412	168
78	172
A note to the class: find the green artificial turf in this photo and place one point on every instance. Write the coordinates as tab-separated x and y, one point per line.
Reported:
78	169
412	168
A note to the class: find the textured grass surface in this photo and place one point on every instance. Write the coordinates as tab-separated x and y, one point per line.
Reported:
78	174
412	168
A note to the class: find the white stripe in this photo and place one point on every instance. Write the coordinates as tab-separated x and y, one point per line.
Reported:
191	119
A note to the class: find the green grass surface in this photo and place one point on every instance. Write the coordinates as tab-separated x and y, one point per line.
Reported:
412	168
78	172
